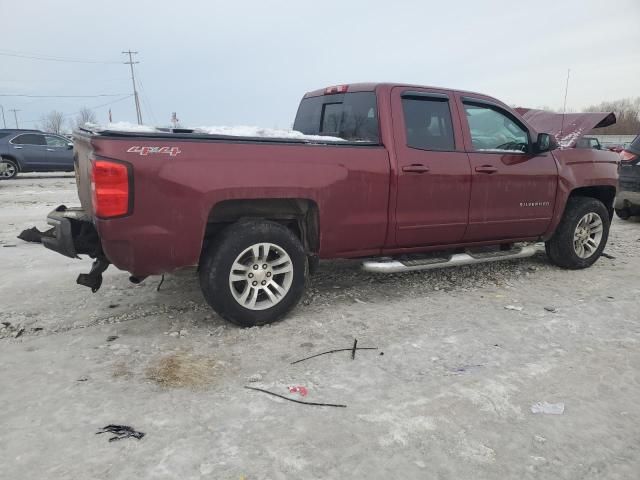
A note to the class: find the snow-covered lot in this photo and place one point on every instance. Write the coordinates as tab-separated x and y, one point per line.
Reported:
451	397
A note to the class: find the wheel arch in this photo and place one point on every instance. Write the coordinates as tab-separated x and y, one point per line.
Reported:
605	193
300	215
13	158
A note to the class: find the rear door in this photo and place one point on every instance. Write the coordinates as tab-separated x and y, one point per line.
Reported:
512	189
59	153
434	176
31	149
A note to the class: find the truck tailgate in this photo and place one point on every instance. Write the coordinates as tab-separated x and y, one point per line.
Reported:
82	154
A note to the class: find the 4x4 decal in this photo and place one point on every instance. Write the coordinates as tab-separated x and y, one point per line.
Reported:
172	151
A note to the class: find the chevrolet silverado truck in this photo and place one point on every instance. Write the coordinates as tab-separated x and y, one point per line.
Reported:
404	177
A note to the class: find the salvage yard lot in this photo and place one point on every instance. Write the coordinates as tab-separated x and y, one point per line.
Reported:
450	398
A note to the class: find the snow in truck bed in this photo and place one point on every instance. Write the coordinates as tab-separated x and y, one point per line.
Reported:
237	131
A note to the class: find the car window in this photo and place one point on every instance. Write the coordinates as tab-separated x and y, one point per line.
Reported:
427	123
493	130
54	141
29	139
351	116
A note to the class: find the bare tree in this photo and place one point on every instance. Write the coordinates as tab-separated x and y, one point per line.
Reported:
52	122
627	112
85	115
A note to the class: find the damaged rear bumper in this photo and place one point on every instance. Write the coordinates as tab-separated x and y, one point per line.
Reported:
74	234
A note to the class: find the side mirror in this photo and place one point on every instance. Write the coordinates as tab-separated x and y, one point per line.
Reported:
69	146
545	143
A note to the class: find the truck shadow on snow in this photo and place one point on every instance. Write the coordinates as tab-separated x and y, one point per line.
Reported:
343	282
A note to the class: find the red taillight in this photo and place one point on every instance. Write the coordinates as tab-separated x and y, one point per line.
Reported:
109	188
628	157
336	89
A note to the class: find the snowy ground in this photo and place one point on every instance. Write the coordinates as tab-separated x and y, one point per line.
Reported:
450	398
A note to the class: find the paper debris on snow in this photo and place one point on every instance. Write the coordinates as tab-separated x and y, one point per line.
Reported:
513	307
548	408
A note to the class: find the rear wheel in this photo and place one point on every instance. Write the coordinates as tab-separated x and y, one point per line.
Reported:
582	234
254	273
8	169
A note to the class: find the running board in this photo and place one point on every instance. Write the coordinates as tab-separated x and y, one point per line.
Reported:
391	265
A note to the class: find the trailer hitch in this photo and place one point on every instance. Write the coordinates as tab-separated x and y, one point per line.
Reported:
93	279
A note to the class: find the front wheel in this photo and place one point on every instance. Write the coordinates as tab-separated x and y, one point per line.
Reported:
254	273
582	234
8	169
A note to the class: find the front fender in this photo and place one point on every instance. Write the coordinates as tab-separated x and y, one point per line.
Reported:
583	172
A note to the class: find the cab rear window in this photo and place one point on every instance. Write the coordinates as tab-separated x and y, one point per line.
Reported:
350	116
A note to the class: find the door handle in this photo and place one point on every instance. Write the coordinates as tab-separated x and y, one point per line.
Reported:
18	148
50	150
486	169
415	168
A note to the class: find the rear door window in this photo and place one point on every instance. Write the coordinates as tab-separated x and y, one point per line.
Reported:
428	123
350	116
54	141
29	139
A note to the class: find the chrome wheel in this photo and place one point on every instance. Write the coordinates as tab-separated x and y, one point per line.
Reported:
7	169
261	276
587	235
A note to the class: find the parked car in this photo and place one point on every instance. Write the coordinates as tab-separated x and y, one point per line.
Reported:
33	151
588	142
628	197
419	178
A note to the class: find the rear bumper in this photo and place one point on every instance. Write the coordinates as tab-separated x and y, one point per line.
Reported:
628	195
74	233
627	199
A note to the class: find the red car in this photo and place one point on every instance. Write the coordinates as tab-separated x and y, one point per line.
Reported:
416	178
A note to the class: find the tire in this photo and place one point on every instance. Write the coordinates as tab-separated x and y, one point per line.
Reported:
261	256
582	234
11	169
623	213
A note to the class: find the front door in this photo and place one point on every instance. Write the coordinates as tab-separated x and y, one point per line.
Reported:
433	176
512	189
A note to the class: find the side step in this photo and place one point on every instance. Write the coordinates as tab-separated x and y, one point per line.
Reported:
391	265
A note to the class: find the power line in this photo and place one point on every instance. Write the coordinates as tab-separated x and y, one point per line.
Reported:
133	80
49	58
62	96
15	115
145	99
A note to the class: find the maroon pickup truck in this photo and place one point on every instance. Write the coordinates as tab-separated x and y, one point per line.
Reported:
416	178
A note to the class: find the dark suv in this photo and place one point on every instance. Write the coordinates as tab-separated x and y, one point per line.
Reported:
628	196
33	151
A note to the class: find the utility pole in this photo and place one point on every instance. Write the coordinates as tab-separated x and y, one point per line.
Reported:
3	120
15	115
564	107
133	80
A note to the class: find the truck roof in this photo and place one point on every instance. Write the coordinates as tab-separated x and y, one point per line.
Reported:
372	86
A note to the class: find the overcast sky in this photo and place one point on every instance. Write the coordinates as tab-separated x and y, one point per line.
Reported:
249	62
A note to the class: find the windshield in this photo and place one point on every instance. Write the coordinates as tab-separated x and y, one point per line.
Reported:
351	116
